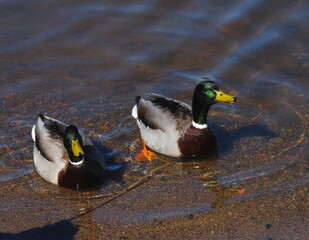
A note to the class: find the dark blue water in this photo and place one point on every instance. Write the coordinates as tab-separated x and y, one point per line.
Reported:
84	63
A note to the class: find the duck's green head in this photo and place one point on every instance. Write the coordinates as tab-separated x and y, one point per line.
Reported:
207	93
73	143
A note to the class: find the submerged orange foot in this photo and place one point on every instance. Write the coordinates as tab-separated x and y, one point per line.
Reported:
145	154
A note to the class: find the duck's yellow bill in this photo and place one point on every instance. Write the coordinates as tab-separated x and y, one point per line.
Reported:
223	97
76	148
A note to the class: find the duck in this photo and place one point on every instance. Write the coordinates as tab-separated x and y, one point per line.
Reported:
63	155
175	129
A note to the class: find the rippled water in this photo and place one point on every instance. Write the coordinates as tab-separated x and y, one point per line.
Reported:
84	63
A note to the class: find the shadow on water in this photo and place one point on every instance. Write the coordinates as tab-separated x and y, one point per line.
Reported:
115	167
228	138
64	229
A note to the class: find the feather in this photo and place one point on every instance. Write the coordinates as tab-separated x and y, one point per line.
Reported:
162	121
48	138
160	112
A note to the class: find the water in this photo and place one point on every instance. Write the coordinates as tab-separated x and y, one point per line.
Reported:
84	63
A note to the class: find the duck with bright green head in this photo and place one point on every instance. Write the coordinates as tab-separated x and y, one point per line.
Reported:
64	156
173	128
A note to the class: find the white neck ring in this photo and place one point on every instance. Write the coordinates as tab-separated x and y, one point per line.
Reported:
199	126
77	163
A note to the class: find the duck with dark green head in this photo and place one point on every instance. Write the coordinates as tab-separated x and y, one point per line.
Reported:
64	156
173	128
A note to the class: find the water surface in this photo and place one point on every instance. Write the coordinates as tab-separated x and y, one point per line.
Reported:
84	63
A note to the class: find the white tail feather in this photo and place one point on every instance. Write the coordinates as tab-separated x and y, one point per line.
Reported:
134	112
33	133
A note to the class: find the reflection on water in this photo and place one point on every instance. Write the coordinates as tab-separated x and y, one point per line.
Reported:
84	63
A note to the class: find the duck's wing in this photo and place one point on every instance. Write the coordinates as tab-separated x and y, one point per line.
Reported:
160	112
48	134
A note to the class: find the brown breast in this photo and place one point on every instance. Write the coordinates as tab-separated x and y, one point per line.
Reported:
197	142
88	174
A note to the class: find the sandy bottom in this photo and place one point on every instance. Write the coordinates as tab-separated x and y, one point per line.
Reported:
152	211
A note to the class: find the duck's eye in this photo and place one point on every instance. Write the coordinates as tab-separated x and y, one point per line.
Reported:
220	94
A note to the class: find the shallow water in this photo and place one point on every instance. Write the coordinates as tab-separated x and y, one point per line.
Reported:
84	63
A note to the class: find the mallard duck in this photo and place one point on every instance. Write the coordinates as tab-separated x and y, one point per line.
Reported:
64	156
173	128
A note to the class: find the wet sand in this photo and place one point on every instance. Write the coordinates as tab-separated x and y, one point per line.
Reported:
154	210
